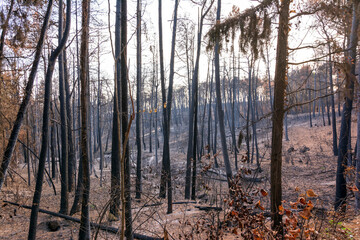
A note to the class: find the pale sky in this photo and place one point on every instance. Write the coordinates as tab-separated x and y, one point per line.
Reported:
150	18
189	10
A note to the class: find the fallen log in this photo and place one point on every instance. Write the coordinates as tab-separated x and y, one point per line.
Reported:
207	208
160	203
92	224
184	202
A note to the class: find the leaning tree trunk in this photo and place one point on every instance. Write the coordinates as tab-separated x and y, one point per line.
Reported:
45	128
341	192
25	102
278	115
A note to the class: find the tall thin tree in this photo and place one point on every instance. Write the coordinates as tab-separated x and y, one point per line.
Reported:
84	232
139	113
124	122
64	200
115	149
46	113
278	114
220	111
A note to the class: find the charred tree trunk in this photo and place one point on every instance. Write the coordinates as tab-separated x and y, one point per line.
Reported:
162	192
64	200
84	232
99	127
139	112
124	122
220	111
341	191
191	154
333	113
46	113
278	115
71	150
116	144
166	170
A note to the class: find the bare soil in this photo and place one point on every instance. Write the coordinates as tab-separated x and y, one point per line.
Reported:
313	169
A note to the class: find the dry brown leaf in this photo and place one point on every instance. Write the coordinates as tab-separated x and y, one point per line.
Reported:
263	192
310	193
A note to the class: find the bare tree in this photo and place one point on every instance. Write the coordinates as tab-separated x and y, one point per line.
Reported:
191	154
220	111
166	171
139	113
341	191
84	232
45	128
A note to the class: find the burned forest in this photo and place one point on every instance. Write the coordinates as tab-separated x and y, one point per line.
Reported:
200	119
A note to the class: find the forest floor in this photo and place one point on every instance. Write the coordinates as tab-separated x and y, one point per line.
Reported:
309	165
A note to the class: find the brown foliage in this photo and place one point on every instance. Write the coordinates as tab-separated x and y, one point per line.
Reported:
254	25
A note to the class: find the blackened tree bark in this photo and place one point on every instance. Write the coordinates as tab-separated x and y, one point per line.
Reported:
84	232
64	200
99	128
162	192
234	81
216	120
341	192
46	111
278	115
151	111
166	171
115	149
314	102
248	134
191	153
220	111
254	120
309	96
71	149
333	113
210	106
139	113
267	62
27	151
52	147
25	102
124	122
79	188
